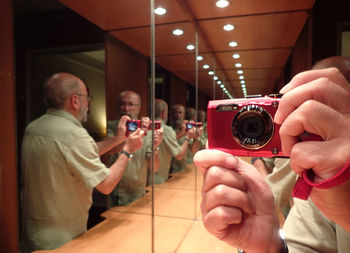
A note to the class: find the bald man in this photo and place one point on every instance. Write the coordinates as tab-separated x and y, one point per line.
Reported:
133	184
178	114
169	148
61	166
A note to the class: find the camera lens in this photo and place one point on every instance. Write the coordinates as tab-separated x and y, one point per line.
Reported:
189	125
132	126
252	127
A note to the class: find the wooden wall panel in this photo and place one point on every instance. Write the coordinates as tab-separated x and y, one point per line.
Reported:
125	70
178	91
8	170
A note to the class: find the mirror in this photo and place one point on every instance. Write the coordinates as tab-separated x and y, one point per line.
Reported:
187	77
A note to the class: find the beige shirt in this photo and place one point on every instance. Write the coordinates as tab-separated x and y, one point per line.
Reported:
187	161
61	166
133	183
307	230
167	149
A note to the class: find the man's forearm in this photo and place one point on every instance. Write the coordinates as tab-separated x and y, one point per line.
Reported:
108	144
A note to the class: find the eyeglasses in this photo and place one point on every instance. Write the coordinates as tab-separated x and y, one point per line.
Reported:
82	95
127	104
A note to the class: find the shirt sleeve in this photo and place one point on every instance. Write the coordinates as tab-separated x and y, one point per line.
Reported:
171	142
308	230
83	159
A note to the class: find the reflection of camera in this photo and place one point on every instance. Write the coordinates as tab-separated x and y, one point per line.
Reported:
245	127
133	125
190	125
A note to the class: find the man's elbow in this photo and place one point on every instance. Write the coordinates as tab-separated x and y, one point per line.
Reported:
104	189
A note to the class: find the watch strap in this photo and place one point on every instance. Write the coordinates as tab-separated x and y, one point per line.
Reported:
128	155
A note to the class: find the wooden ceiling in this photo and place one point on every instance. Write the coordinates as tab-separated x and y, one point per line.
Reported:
265	30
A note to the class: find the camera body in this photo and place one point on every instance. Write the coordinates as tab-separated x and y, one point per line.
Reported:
245	127
190	125
133	125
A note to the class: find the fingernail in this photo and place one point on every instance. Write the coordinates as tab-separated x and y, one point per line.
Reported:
231	161
277	118
284	89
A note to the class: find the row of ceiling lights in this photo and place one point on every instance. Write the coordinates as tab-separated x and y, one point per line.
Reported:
227	27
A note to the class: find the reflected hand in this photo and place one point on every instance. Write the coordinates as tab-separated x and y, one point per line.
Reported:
121	132
145	122
237	205
134	141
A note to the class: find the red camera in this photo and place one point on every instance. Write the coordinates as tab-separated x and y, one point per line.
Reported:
245	127
133	125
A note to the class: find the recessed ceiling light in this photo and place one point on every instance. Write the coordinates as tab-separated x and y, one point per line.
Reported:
206	66
229	27
199	58
216	78
236	56
178	32
238	65
222	86
190	47
219	82
211	73
243	85
233	44
160	11
242	82
222	3
241	77
240	72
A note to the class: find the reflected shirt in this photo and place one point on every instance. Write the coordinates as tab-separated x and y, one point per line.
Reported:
61	166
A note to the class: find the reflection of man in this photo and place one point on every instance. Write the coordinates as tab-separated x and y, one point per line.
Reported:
169	147
61	166
133	183
179	125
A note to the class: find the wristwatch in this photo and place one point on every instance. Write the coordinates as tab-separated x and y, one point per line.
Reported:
127	154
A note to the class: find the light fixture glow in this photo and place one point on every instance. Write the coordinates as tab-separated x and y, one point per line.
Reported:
178	32
190	47
235	56
241	77
206	66
199	58
229	27
242	82
211	73
216	78
160	11
219	82
240	72
222	3
238	65
222	86
233	44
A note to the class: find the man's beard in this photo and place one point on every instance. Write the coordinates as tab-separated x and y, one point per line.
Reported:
125	114
83	114
177	123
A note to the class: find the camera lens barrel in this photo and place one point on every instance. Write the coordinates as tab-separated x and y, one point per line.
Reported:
252	127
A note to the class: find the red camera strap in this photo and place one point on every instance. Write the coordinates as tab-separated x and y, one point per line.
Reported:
304	184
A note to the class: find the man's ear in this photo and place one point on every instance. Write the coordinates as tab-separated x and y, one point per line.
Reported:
74	101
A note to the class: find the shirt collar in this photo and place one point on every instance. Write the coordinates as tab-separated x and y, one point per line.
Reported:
64	114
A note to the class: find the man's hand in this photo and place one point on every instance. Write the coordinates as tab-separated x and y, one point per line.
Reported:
121	132
158	136
318	102
134	141
237	205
